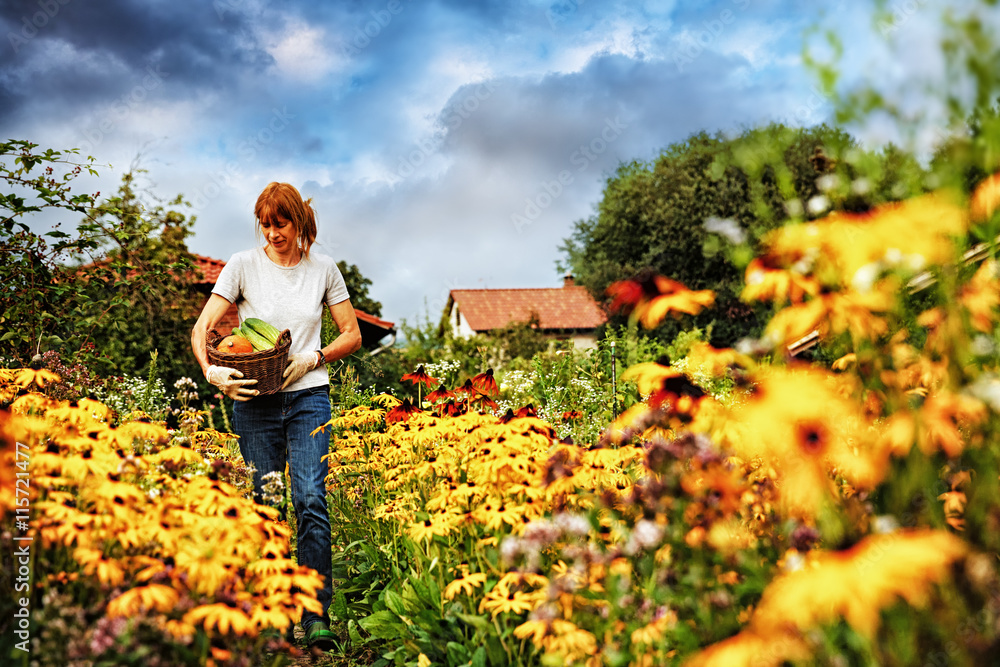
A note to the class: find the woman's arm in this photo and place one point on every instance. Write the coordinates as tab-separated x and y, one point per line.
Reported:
349	339
211	315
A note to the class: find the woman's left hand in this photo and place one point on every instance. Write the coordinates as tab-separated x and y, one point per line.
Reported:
298	365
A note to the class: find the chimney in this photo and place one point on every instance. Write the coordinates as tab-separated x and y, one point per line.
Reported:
568	280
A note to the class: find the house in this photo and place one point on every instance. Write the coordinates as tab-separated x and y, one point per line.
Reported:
563	313
374	331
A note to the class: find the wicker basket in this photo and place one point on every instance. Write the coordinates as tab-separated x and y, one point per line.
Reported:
265	366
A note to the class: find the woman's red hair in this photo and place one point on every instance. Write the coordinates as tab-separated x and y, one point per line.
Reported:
282	199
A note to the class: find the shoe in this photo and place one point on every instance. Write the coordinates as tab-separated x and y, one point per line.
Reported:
319	637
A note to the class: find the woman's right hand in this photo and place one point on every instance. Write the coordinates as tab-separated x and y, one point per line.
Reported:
229	381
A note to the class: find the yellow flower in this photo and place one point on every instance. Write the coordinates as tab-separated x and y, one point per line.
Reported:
222	617
803	422
649	376
858	583
714	362
152	596
267	616
464	585
503	601
981	296
909	234
108	570
535	629
941	416
749	649
986	198
570	641
439	524
652	632
204	564
423	661
27	376
778	285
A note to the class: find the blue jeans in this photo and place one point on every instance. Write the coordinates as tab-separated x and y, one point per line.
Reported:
274	429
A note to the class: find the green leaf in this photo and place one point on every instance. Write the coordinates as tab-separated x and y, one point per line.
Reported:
383	625
457	654
478	622
340	606
352	632
394	601
479	657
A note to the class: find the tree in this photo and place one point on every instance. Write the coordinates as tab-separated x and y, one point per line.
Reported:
357	287
146	263
42	307
652	215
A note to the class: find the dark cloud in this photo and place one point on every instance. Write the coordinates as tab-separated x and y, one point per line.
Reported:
56	53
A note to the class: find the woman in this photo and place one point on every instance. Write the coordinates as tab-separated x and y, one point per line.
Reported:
285	285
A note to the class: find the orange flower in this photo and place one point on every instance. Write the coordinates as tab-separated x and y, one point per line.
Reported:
859	582
651	297
981	296
803	422
401	412
986	198
439	394
778	285
942	415
486	384
419	377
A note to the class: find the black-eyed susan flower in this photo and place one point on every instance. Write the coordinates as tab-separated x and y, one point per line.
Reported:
857	583
439	524
486	384
222	618
153	597
420	377
401	412
501	600
465	585
651	297
107	570
26	377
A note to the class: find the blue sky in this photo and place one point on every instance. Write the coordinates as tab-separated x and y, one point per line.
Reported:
446	144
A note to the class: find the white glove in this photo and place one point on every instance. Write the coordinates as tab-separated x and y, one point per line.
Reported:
298	365
228	380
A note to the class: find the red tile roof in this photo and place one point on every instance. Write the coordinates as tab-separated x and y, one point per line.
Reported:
569	307
371	319
210	269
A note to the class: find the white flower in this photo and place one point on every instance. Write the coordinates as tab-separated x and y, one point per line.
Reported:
794	562
885	524
865	277
647	534
861	186
573	524
726	227
794	208
827	182
983	346
818	204
987	388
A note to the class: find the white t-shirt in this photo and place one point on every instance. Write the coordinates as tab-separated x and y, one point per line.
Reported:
290	298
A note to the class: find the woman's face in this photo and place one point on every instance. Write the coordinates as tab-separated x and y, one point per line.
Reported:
280	234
